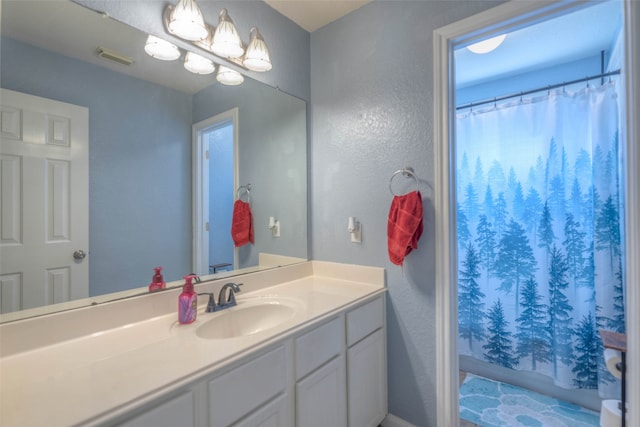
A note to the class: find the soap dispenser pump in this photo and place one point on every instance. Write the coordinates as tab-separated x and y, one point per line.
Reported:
187	302
157	282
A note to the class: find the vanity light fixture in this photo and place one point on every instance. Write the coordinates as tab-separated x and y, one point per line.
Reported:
226	40
223	40
186	21
257	56
198	64
488	45
228	77
161	49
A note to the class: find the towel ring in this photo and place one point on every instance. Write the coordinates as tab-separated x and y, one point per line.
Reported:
407	172
247	191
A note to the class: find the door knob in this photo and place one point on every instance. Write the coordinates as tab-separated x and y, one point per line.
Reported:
79	254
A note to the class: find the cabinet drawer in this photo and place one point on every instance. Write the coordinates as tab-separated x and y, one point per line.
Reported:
242	390
318	346
364	320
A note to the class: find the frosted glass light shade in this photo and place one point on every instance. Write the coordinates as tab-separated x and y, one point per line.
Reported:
488	45
257	56
229	77
226	40
186	21
198	64
161	49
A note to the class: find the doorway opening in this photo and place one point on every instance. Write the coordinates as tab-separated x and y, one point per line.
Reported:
539	229
215	178
506	19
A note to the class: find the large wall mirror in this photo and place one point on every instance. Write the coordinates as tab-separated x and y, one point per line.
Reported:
141	201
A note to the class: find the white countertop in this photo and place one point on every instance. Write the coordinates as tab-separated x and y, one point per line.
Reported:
87	379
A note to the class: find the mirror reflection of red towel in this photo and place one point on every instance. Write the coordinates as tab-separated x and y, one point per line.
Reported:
241	223
404	226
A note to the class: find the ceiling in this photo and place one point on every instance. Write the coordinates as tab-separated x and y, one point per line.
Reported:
314	14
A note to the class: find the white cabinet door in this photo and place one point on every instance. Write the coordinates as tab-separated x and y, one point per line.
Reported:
321	397
366	376
273	414
178	411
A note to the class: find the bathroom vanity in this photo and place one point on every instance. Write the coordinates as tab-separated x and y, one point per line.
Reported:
305	346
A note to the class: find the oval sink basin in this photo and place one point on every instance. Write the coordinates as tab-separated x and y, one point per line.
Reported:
246	319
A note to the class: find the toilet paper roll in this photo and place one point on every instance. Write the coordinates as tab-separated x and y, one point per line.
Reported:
611	359
610	414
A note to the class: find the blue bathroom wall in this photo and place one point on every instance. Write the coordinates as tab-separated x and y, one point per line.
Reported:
372	113
139	162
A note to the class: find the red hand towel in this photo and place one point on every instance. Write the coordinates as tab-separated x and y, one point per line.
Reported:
241	223
404	226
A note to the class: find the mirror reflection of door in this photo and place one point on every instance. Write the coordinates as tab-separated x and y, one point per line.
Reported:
216	181
221	194
44	225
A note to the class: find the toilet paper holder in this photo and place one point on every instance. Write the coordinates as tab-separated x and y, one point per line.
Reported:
617	341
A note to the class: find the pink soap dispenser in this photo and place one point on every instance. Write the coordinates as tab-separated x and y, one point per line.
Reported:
157	282
187	302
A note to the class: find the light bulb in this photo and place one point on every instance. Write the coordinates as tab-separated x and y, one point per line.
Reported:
229	77
186	21
257	56
198	64
226	40
161	49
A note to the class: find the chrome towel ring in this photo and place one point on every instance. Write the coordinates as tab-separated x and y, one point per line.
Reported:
406	172
247	192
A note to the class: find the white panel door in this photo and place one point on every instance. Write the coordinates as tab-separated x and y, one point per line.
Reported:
44	188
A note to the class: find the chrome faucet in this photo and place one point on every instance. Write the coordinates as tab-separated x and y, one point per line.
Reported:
211	304
230	300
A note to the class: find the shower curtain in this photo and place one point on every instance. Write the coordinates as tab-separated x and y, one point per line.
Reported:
539	223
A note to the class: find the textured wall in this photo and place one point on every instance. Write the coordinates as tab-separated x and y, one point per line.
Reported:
372	110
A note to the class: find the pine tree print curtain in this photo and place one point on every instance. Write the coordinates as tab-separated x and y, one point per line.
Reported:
540	234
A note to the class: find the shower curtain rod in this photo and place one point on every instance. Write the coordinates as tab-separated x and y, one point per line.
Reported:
529	92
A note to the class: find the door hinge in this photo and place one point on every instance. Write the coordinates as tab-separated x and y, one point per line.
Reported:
206	226
206	154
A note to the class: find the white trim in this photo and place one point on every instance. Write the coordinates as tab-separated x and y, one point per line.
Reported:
393	421
508	17
446	353
201	187
632	212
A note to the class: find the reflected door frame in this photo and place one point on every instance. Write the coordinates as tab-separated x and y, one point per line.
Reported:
501	19
201	187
